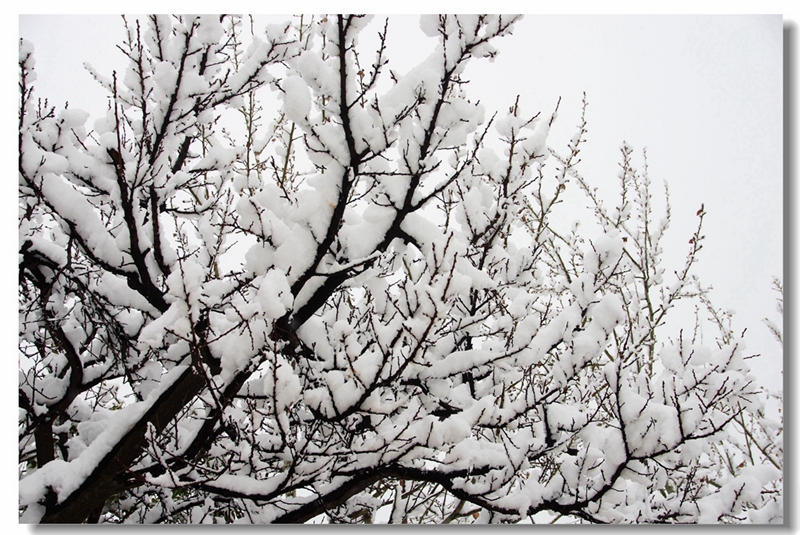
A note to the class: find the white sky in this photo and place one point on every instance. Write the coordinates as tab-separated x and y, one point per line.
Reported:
703	94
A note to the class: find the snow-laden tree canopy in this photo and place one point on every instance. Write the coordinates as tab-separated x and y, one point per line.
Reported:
363	306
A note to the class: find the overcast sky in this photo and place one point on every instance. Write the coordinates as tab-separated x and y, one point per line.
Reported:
703	94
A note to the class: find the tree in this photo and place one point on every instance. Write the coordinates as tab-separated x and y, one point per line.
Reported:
368	309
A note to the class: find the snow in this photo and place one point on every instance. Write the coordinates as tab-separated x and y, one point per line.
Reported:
296	99
274	294
46	247
209	29
71	118
74	207
317	74
649	426
65	477
175	319
430	25
26	49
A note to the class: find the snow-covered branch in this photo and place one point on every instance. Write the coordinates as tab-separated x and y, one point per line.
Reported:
369	309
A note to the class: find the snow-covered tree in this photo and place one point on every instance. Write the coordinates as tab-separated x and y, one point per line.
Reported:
374	308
